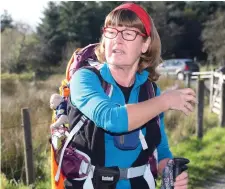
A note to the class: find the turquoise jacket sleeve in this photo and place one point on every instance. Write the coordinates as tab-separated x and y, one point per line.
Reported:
163	148
89	97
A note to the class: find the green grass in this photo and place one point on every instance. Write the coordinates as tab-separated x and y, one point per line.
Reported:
24	76
208	68
12	184
166	83
206	156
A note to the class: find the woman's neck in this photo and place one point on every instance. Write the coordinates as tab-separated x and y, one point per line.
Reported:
125	76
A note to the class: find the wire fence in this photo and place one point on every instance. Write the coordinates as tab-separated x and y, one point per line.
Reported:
20	156
19	127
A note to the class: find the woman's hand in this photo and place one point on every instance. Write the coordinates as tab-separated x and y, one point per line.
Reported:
181	181
181	99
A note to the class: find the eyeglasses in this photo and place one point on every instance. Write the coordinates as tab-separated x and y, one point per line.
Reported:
129	35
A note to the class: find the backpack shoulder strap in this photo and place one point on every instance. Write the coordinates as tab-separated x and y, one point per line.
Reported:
147	91
95	70
154	87
106	86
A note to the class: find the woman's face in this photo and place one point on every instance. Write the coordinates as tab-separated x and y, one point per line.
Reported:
121	52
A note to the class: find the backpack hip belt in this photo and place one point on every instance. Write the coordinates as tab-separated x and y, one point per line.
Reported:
107	177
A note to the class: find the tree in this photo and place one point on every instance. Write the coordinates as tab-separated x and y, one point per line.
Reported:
168	30
6	21
191	16
213	37
71	21
81	21
18	48
205	9
51	37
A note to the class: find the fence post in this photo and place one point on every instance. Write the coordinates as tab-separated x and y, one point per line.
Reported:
211	91
28	150
188	79
222	108
200	108
34	77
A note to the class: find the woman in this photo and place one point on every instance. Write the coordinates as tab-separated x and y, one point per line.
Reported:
129	52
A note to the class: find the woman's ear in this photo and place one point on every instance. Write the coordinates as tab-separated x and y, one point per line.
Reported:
145	45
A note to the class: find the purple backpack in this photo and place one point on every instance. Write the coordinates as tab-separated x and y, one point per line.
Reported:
81	58
68	158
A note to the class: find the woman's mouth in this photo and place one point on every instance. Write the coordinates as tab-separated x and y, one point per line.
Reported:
118	51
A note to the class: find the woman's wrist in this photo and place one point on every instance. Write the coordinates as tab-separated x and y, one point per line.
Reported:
164	102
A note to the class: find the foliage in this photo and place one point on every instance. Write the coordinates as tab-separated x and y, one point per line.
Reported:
22	95
6	21
166	83
51	37
213	36
25	76
190	17
18	49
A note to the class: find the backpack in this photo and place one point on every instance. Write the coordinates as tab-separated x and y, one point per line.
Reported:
81	58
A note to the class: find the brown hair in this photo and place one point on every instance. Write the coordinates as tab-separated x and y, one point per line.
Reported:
148	60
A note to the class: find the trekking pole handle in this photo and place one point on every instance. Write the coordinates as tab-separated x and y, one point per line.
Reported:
179	167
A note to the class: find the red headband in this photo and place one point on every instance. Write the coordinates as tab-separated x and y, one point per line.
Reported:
140	12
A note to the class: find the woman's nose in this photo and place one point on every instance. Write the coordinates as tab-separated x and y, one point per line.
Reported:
119	36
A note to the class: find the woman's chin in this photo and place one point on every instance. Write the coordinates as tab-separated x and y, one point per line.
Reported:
117	62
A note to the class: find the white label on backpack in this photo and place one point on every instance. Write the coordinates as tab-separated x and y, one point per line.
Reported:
107	178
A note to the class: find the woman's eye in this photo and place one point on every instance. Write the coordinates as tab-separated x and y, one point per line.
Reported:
111	32
127	34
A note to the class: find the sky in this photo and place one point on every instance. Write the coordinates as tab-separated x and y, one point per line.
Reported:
29	12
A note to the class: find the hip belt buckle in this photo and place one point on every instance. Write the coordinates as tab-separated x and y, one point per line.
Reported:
123	173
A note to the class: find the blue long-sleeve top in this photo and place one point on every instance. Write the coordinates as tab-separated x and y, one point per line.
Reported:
110	113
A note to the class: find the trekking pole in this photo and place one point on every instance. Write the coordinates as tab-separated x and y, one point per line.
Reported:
179	167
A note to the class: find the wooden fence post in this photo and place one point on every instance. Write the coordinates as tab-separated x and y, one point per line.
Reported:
222	107
188	79
211	91
34	77
200	108
28	150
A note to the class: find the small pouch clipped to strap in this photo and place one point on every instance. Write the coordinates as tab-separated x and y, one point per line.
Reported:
106	177
128	141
